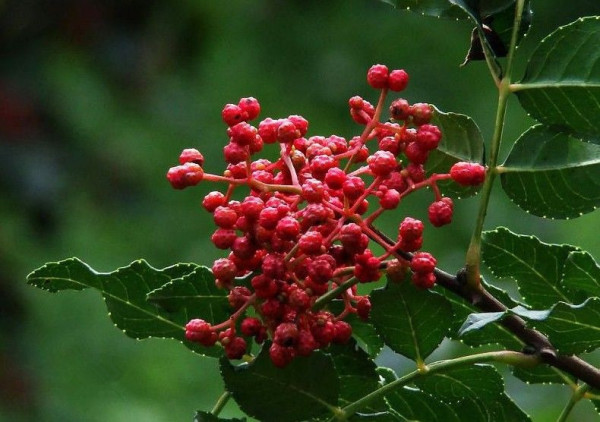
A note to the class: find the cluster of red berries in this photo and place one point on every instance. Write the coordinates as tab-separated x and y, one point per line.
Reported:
302	235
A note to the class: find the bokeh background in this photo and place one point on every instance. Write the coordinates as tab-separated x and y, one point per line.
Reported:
97	99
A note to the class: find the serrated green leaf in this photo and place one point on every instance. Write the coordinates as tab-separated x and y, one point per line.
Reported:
195	292
572	329
562	81
476	390
542	374
582	273
461	141
308	387
124	292
362	331
357	374
209	417
490	334
412	322
552	174
416	405
536	267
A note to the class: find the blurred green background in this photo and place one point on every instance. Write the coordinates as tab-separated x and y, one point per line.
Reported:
97	99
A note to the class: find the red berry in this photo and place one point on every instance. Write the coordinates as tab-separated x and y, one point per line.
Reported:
468	174
410	229
310	242
191	155
363	307
416	172
243	248
251	207
224	269
242	134
287	131
268	218
428	136
233	114
321	269
313	190
250	106
400	109
320	165
267	129
423	262
200	331
397	80
300	122
440	212
286	334
390	199
280	355
251	327
235	348
223	238
273	266
421	113
342	332
185	175
424	280
415	153
306	343
213	200
288	228
382	163
238	296
225	217
377	76
235	153
353	187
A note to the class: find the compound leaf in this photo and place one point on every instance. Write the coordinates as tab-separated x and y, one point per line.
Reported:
124	292
306	388
561	85
411	322
552	174
536	267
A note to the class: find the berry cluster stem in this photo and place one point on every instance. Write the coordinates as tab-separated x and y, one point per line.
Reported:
473	258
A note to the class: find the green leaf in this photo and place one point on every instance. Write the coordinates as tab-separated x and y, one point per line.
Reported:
357	374
389	416
582	273
572	329
489	334
552	174
536	267
562	81
542	374
124	292
196	293
477	391
209	417
457	9
362	331
416	405
412	322
461	141
437	8
308	387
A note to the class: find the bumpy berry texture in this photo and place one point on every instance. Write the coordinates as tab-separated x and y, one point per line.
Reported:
304	234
